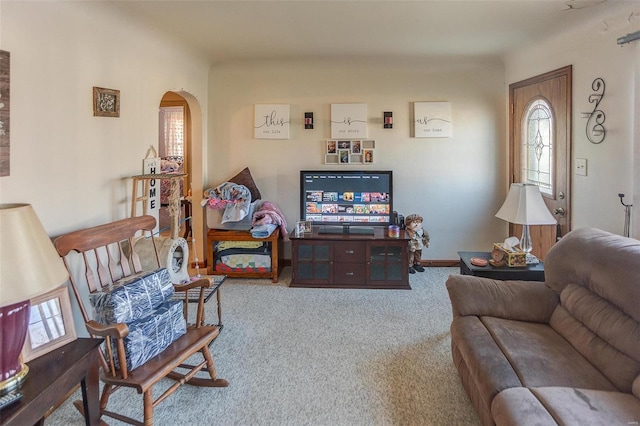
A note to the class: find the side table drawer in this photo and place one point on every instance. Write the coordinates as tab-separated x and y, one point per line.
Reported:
349	251
349	273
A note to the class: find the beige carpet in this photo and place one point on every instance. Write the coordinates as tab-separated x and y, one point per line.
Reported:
299	356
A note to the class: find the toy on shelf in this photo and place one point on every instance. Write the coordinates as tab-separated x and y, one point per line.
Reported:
419	239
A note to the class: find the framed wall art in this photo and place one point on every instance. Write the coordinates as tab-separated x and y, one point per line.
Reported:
432	119
50	323
348	121
358	151
271	121
106	102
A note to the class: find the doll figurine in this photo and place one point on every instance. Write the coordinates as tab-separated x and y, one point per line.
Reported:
419	239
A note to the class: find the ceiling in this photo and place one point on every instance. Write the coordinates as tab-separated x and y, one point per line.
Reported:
298	29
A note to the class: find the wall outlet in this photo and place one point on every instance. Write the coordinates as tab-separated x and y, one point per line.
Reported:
581	166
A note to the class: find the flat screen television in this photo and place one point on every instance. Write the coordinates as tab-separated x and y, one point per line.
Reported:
342	201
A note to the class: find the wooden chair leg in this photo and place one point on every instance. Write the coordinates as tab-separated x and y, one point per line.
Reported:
104	398
212	369
148	408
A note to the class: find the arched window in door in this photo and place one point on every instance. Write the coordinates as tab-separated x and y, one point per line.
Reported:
538	146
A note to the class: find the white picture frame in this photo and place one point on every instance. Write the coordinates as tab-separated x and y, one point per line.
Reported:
271	121
348	121
50	324
432	119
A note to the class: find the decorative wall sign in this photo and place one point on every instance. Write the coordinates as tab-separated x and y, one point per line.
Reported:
106	102
151	165
348	121
5	74
432	119
271	121
596	131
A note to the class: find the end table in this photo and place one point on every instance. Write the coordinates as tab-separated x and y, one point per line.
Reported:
533	272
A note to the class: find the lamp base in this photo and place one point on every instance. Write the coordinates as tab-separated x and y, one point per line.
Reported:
14	382
14	323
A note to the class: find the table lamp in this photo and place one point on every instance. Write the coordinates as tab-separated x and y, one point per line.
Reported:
524	206
29	266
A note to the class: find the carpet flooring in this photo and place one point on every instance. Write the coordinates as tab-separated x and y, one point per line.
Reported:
296	356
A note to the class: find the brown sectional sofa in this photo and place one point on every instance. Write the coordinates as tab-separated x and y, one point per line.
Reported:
565	351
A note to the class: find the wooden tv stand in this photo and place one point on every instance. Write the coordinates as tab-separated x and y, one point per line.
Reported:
350	260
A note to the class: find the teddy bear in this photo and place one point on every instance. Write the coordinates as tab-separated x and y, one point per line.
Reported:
419	239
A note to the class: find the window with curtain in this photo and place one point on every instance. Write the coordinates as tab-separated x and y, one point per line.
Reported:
537	146
171	132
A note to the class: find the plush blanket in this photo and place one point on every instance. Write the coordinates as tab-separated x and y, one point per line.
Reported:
269	213
233	198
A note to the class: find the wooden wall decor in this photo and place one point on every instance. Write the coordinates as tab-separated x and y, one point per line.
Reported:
106	102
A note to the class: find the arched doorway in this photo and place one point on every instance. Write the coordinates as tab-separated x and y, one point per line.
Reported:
180	147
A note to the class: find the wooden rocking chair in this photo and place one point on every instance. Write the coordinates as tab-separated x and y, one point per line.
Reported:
108	255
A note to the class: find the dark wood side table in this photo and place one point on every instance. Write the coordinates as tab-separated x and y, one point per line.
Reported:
53	375
528	273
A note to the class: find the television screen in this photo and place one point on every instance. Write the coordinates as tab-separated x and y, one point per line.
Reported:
346	198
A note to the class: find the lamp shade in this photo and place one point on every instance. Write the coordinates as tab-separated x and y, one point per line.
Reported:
29	263
524	206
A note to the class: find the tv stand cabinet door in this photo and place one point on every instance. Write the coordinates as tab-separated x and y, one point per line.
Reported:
312	262
387	264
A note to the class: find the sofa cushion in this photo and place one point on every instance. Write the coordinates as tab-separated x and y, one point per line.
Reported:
245	178
541	357
490	370
521	300
564	406
604	335
605	263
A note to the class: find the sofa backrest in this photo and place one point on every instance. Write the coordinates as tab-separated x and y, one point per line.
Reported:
605	263
597	275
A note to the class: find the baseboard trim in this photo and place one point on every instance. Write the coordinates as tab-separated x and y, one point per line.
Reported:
426	263
440	263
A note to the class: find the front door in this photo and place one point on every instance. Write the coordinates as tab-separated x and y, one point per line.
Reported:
540	147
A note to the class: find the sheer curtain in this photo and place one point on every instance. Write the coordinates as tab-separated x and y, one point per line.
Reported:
171	131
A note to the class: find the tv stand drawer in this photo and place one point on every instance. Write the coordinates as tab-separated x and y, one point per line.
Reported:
349	273
349	251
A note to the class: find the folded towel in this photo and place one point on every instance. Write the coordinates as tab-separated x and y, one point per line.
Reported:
263	231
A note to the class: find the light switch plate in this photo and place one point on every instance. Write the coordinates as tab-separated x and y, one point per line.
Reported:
581	166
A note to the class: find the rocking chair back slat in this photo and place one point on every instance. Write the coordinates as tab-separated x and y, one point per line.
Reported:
88	274
126	268
135	259
104	275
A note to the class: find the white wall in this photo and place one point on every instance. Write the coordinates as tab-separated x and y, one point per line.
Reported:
72	167
594	53
457	184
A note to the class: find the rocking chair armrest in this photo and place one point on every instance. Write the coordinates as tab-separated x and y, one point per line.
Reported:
201	282
117	331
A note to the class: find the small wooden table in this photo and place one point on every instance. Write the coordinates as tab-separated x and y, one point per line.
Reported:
53	375
528	273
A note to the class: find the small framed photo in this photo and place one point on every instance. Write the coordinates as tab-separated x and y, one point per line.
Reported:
50	324
106	102
344	145
303	227
343	156
368	156
331	147
356	147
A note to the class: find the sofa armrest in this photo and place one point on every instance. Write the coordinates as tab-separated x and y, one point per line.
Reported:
517	300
